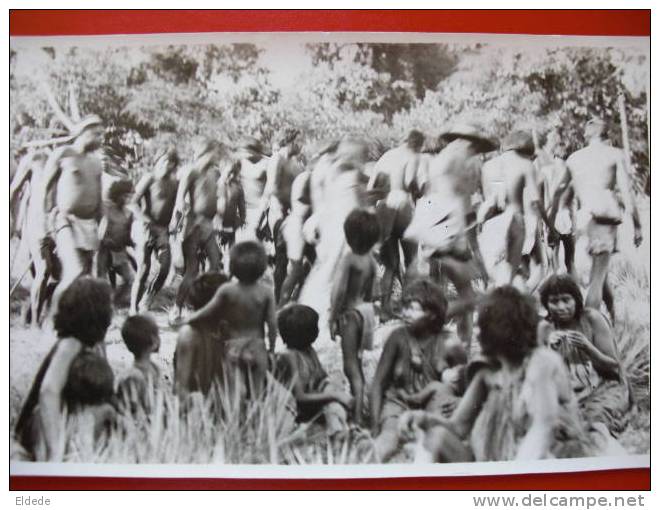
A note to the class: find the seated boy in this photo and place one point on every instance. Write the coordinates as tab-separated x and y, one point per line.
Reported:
136	388
198	356
421	366
299	368
352	315
115	234
243	308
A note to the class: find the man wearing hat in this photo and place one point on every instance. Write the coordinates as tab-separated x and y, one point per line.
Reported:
73	173
439	221
597	172
153	205
400	168
198	184
509	182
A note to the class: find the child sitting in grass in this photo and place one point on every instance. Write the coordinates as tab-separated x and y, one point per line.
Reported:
198	357
137	387
299	368
243	308
352	314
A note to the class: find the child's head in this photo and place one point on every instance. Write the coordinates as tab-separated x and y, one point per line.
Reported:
248	261
204	287
415	140
507	323
424	306
120	191
140	334
561	297
298	325
84	310
90	381
362	231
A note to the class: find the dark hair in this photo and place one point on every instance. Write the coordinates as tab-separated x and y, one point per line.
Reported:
248	261
298	325
362	230
90	381
84	310
120	188
507	324
562	284
432	299
137	332
415	140
204	287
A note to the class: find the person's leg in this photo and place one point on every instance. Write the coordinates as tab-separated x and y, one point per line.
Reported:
191	268
389	257
281	260
213	254
608	299
445	446
295	276
73	263
387	442
37	291
460	274
599	266
515	239
568	241
140	281
255	358
351	333
125	270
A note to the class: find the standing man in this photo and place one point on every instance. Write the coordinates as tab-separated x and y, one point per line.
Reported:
439	222
153	205
597	172
400	167
200	184
73	175
283	168
505	181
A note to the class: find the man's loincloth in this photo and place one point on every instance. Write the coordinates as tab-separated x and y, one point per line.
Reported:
601	235
85	232
244	351
395	213
364	314
157	237
200	227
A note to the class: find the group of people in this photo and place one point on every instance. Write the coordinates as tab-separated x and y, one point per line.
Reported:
274	245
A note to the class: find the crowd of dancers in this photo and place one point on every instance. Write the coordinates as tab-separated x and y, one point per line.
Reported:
291	243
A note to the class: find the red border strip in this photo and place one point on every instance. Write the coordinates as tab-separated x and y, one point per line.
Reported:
622	479
595	22
547	22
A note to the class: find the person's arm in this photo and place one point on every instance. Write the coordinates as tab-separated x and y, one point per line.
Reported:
304	397
187	179
536	194
184	356
338	293
382	379
623	183
50	397
370	281
603	349
209	312
270	187
546	381
271	320
562	187
140	193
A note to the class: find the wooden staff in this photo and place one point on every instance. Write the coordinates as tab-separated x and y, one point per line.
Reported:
624	131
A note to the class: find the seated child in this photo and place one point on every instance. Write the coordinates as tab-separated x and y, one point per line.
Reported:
299	368
420	367
198	357
83	315
90	391
136	388
115	234
243	308
352	315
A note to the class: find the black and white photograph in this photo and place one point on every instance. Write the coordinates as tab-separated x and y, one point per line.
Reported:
314	250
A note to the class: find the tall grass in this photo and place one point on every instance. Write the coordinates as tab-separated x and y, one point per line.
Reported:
218	429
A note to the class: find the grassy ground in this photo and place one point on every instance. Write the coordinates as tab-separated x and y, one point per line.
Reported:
264	436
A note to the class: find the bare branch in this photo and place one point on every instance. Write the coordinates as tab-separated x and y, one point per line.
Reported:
73	104
56	107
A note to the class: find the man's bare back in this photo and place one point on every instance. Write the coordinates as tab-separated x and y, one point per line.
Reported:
161	199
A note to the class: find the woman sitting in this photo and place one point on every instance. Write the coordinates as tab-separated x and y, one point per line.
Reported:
519	403
584	339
